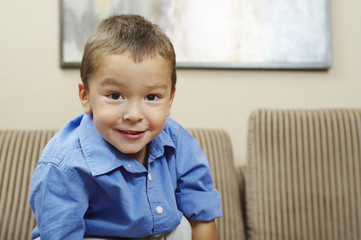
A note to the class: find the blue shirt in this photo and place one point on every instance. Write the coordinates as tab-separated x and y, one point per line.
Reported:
82	185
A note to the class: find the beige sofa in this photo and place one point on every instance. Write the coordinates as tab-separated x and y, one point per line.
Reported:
301	181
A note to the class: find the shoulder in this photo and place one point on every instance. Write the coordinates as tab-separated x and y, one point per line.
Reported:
64	151
63	159
172	125
64	141
175	130
180	137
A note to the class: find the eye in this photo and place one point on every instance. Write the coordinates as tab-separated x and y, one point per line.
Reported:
115	96
152	97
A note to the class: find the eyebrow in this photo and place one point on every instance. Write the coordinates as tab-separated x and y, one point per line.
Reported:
158	86
110	81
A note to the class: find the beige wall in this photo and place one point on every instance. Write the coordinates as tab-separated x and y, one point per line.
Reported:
36	93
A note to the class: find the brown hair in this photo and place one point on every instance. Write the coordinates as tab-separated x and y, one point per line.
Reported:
132	33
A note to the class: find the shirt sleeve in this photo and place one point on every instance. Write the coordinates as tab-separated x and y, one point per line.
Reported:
195	195
59	201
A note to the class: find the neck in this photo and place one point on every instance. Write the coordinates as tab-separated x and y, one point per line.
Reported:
142	156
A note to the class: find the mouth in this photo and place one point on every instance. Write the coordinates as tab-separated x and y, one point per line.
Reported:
130	134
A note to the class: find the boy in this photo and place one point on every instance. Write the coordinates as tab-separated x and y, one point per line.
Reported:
124	169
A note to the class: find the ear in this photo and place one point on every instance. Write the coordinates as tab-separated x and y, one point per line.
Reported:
170	102
84	98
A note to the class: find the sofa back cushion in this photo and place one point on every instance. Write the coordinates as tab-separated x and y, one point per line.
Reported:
303	174
19	153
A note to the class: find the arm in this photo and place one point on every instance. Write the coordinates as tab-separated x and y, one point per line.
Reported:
59	203
204	230
194	184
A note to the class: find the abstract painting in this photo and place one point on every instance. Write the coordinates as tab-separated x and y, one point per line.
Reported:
249	34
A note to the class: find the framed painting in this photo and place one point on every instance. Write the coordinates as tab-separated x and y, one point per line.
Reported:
245	34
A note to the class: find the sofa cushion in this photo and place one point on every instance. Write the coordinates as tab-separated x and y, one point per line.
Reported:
303	174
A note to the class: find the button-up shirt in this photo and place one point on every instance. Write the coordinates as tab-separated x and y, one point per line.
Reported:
82	185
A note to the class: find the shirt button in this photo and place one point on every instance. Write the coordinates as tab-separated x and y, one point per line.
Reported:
150	177
159	209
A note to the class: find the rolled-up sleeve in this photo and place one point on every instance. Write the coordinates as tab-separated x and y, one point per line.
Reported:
195	194
200	206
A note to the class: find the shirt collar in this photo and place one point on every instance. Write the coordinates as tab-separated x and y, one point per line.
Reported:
102	157
160	144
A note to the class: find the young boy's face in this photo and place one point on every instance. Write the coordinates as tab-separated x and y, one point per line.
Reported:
129	101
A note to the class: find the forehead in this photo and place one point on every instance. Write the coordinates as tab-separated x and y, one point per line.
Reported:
123	66
104	58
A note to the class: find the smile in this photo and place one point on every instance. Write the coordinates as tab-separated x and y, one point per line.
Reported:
132	132
133	135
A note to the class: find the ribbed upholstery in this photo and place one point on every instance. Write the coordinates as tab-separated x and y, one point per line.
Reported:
303	174
217	146
19	152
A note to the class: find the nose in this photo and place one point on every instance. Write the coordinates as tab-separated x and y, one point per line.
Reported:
133	112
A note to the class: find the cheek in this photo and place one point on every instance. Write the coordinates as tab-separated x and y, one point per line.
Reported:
104	126
158	119
104	118
102	110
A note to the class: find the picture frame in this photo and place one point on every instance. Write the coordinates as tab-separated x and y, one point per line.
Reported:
229	34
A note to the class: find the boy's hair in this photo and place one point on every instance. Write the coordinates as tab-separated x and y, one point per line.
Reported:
131	33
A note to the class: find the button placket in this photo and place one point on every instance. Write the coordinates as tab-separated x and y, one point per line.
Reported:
154	198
